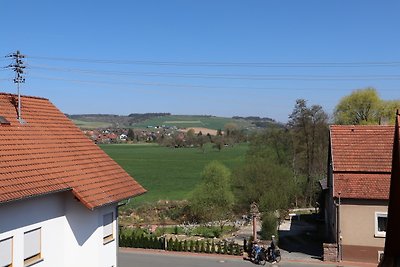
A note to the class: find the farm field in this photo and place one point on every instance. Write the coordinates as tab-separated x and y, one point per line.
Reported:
91	124
169	173
185	121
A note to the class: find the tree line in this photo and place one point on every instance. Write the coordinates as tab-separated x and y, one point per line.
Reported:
284	163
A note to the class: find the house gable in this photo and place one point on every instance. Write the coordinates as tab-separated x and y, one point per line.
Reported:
361	161
49	154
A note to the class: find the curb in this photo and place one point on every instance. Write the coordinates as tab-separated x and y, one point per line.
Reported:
181	253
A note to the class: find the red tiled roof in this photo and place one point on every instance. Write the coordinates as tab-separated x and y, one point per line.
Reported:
362	148
49	154
362	160
362	185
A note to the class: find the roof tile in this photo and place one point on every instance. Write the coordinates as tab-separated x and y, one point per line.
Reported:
49	153
362	160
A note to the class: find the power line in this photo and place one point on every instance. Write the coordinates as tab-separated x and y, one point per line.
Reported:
184	86
228	64
224	76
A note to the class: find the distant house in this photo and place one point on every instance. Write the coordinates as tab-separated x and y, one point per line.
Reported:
123	137
59	192
360	160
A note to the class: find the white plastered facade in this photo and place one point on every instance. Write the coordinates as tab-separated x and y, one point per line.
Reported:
71	234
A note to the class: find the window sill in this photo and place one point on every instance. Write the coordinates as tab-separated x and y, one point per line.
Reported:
108	240
378	235
32	261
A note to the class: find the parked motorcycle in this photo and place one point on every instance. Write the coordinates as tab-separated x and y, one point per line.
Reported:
263	256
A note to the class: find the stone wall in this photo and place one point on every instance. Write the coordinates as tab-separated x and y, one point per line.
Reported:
330	252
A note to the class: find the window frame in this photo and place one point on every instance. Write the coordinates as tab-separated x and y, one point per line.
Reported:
11	248
110	237
377	215
28	261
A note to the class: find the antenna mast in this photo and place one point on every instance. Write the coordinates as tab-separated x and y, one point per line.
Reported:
18	67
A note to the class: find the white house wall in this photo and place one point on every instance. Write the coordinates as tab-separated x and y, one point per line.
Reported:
46	212
85	236
71	234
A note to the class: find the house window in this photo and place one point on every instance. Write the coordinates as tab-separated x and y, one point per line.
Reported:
380	224
32	247
108	231
6	252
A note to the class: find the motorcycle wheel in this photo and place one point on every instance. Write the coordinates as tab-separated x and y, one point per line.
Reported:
262	262
278	258
262	259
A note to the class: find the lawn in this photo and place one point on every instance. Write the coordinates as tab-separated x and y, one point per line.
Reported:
169	173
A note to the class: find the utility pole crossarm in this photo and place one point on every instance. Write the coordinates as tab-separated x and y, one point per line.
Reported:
18	67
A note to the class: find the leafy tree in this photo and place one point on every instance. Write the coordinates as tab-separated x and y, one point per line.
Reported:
212	199
230	129
387	111
360	107
131	135
364	106
273	144
309	130
264	182
219	142
202	140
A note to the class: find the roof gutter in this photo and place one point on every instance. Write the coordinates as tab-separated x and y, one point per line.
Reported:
37	195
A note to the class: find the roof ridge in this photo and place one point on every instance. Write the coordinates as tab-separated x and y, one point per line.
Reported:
357	125
25	96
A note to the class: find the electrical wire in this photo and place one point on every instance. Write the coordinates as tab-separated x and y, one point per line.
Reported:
223	76
184	86
227	64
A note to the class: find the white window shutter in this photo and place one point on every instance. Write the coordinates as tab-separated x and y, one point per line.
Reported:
108	224
31	243
6	252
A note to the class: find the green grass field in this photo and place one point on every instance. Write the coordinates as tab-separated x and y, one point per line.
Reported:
169	173
185	121
91	124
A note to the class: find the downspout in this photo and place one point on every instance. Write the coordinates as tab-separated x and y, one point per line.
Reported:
338	231
117	235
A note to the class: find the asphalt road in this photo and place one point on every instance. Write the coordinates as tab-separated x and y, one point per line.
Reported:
156	259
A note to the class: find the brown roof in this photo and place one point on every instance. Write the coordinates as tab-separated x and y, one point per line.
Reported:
362	160
362	148
362	185
49	154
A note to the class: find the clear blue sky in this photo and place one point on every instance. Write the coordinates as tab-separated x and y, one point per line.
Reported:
302	34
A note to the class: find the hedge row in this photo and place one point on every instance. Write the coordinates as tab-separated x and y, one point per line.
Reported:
180	245
204	247
142	241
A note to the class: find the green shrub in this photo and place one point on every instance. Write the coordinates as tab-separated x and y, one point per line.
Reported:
219	248
170	244
207	248
202	248
191	247
269	225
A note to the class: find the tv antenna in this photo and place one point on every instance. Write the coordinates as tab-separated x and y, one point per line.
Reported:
18	67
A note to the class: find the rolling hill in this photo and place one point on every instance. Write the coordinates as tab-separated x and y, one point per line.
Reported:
92	121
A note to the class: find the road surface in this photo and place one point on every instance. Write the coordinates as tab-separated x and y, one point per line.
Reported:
133	258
